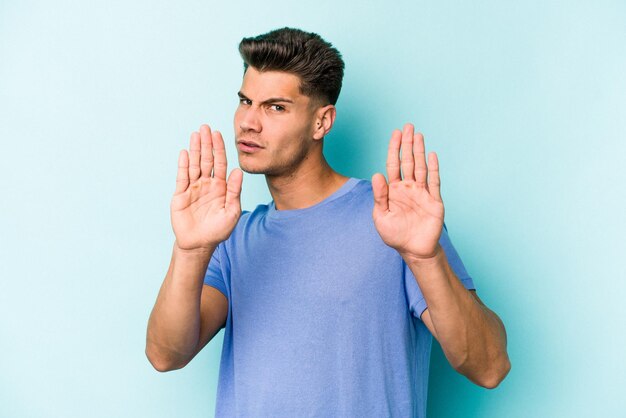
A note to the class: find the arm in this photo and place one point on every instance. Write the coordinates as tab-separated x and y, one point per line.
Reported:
187	314
205	209
408	214
471	335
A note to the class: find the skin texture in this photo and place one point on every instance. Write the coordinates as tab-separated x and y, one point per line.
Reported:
409	214
205	208
279	132
290	136
274	115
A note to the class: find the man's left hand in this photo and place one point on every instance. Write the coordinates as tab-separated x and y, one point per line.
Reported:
408	212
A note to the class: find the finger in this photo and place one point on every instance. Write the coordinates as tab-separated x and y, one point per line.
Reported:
194	156
393	157
407	161
420	160
219	153
381	192
434	183
206	151
182	177
233	191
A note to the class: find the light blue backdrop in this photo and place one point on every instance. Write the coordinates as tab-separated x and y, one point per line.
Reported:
525	103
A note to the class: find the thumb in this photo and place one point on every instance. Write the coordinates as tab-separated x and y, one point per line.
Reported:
233	190
381	192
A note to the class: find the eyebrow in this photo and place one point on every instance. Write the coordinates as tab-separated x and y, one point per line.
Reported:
267	101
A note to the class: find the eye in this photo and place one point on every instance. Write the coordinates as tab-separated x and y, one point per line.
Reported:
277	108
244	101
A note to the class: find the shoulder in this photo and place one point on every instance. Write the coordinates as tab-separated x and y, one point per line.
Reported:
353	206
360	188
248	221
361	193
252	216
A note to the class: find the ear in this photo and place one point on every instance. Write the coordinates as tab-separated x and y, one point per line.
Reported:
324	120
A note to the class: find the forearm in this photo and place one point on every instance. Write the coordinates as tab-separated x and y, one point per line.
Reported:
472	336
174	324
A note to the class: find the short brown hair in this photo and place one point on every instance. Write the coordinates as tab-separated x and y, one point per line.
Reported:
316	62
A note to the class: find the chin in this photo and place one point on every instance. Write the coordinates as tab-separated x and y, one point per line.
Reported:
251	169
267	171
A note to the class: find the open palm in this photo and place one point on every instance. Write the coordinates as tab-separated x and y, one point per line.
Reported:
205	207
408	212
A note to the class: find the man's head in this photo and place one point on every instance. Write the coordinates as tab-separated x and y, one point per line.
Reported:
316	62
291	83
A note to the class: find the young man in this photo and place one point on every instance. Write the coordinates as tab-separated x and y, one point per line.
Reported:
330	294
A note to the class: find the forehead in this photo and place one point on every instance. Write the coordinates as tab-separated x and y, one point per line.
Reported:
261	85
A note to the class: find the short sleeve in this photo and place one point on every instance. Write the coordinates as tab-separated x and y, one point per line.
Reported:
417	303
215	273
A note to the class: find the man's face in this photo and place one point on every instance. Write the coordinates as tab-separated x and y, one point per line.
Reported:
273	123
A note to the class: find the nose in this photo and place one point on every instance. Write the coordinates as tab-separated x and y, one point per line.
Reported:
249	119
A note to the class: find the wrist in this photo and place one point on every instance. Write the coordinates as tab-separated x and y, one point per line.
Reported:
202	251
424	260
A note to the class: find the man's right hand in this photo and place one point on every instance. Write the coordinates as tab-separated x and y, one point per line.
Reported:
205	207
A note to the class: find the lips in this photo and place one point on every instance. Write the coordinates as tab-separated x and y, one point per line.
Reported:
249	143
248	146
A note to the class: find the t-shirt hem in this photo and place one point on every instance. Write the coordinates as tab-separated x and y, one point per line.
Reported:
216	283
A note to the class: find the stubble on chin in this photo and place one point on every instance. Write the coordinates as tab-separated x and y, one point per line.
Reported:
278	169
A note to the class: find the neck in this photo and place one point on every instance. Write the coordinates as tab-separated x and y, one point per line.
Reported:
305	187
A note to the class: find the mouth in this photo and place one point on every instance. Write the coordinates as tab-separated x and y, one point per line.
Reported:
248	146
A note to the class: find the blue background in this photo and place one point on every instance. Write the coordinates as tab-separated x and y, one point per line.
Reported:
524	102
